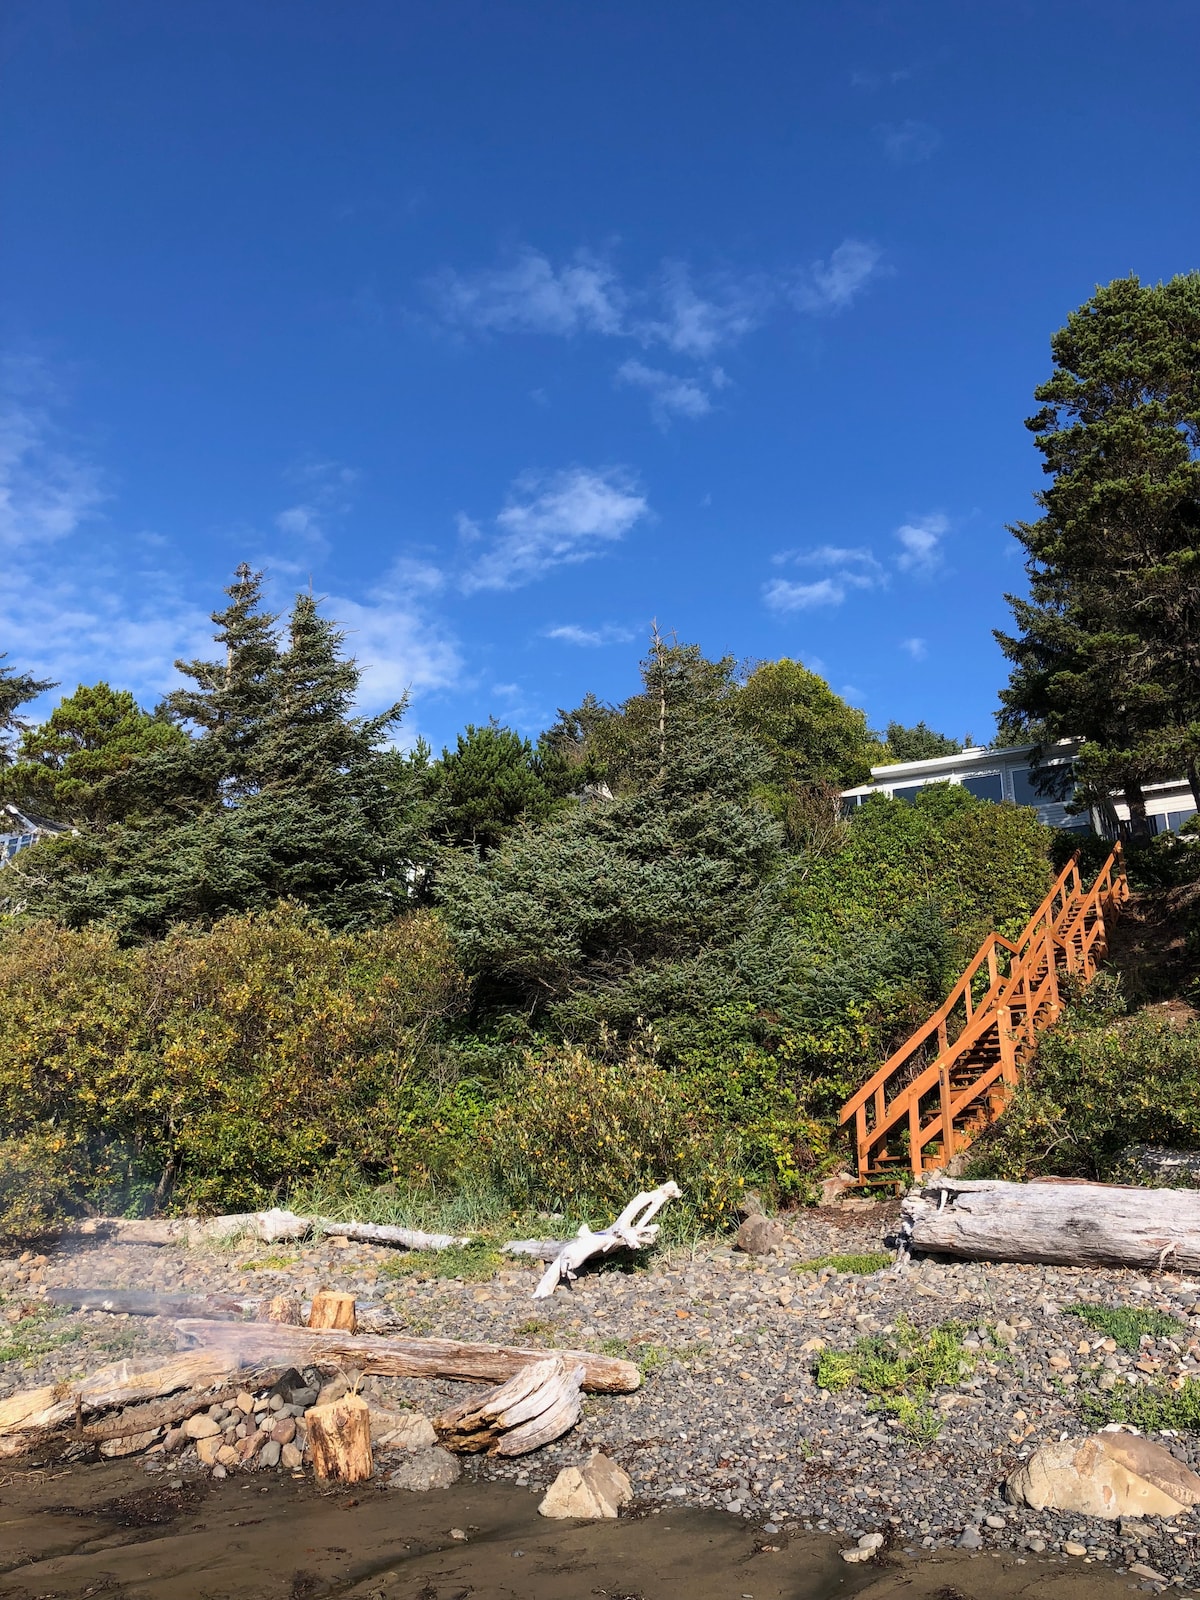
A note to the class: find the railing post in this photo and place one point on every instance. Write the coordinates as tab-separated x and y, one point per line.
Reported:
1052	975
860	1141
916	1156
947	1115
1008	1045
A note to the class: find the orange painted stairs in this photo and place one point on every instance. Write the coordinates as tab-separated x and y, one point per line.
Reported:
957	1072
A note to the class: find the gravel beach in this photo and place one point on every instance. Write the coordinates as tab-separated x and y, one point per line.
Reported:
730	1418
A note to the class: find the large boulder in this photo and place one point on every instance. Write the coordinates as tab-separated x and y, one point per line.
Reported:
1106	1475
423	1470
401	1430
597	1489
759	1236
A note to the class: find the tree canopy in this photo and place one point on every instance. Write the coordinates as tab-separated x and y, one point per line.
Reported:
1107	644
918	743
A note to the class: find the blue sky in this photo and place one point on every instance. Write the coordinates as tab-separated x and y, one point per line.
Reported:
513	326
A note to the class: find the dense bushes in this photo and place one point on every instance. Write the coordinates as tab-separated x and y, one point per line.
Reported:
1100	1082
218	1066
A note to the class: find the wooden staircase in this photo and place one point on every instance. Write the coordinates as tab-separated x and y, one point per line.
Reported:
956	1073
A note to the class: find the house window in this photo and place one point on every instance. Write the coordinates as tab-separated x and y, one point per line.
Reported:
908	793
1026	792
986	786
1175	819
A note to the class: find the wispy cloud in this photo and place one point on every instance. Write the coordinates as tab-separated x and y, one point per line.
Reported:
553	521
528	294
324	501
846	569
590	638
47	490
670	394
907	143
916	648
834	284
398	645
920	542
693	317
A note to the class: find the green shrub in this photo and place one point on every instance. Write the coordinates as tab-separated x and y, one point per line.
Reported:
901	1369
1152	1407
1126	1324
870	1261
219	1066
583	1135
37	1182
1100	1082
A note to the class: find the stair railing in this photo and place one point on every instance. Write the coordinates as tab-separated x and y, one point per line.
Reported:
955	1074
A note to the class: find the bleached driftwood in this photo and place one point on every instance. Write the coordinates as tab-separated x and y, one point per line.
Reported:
267	1227
632	1230
538	1405
145	1303
1071	1224
256	1343
31	1414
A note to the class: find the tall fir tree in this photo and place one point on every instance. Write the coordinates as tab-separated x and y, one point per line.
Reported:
16	689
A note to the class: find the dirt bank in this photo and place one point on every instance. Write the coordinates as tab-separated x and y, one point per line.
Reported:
107	1530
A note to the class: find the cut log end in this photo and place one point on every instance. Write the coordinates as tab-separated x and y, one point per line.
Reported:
339	1440
332	1308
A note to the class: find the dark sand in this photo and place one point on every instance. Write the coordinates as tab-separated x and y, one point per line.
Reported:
109	1531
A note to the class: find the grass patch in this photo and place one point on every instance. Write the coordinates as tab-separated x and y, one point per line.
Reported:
32	1337
900	1369
1126	1325
869	1261
1152	1407
477	1262
269	1264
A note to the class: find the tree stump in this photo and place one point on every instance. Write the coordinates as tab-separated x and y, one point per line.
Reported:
339	1439
332	1308
281	1309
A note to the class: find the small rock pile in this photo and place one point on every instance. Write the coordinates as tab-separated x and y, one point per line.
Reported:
248	1431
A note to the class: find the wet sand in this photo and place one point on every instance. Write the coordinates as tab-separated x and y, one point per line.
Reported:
108	1530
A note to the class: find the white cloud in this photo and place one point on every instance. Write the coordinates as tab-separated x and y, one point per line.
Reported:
326	486
916	648
530	295
832	285
554	521
571	633
921	541
696	325
849	568
670	395
781	595
907	143
46	491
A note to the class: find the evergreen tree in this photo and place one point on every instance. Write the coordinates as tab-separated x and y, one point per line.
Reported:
492	779
918	743
1107	646
812	736
71	766
16	690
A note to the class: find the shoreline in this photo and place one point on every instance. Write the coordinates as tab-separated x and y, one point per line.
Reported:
730	1420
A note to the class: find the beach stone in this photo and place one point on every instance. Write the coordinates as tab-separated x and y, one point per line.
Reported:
284	1432
174	1439
759	1236
401	1430
201	1427
1108	1475
426	1469
597	1489
970	1539
864	1549
270	1453
129	1445
291	1456
227	1456
207	1449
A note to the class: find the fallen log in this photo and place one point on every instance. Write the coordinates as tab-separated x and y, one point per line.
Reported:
267	1227
31	1414
1067	1224
632	1230
538	1405
143	1303
255	1343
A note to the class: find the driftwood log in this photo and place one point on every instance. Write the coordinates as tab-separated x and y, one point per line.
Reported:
1068	1224
538	1405
268	1227
633	1230
29	1417
144	1303
255	1343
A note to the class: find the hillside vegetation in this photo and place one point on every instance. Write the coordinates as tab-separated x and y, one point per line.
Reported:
277	952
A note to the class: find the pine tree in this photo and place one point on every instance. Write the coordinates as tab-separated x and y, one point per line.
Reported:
918	743
490	781
16	690
1107	646
72	766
